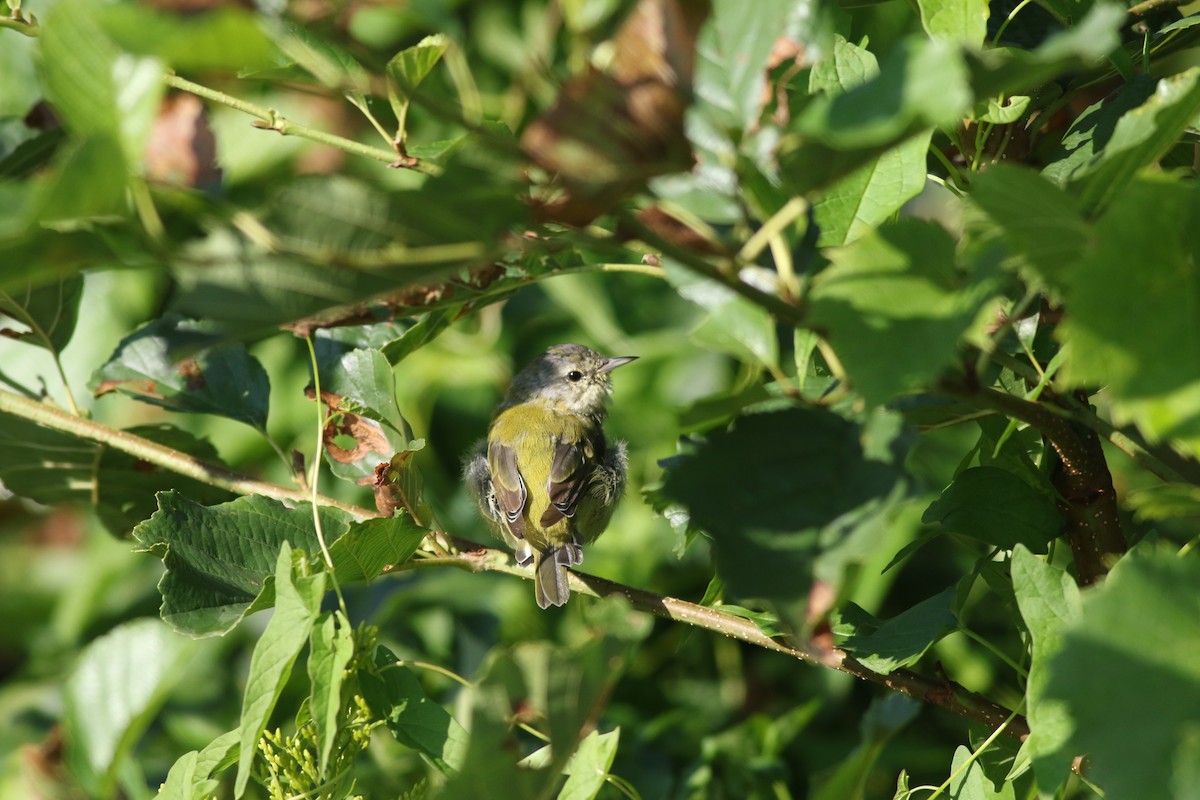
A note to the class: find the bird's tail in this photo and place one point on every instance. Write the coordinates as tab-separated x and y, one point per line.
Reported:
550	576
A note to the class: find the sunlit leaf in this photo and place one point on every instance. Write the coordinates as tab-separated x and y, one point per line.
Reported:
297	603
159	364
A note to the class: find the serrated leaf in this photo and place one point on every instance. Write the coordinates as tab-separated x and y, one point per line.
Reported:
871	194
395	695
775	491
998	508
46	465
588	768
426	329
326	60
47	312
369	547
408	69
959	21
155	365
191	776
894	306
1041	222
125	486
734	325
1049	601
77	61
1150	363
903	639
331	649
218	558
922	84
297	603
1141	136
1128	673
364	378
733	51
113	694
223	37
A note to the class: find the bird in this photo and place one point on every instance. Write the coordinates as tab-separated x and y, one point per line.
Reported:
545	479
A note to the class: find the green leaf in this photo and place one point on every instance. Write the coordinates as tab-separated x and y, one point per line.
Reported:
894	306
409	68
125	486
1141	136
86	186
1041	223
775	491
733	50
959	21
998	508
923	84
871	194
47	312
155	365
1128	673
330	652
903	639
324	59
100	93
222	38
365	379
395	695
371	546
1150	362
46	465
77	62
191	777
1008	71
218	558
734	324
426	329
969	782
589	766
113	694
297	603
1049	601
847	67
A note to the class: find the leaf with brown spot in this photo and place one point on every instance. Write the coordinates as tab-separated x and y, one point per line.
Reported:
367	435
183	365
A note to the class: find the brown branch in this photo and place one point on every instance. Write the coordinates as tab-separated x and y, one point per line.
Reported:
1148	6
1087	499
476	558
942	693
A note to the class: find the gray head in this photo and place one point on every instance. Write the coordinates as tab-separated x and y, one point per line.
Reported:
568	377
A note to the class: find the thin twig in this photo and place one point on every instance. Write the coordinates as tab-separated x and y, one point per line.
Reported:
270	119
159	455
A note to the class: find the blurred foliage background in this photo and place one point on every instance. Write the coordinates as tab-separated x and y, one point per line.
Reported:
833	233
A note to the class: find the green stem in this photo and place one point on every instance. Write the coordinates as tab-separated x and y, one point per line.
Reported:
269	119
783	311
154	453
316	476
20	25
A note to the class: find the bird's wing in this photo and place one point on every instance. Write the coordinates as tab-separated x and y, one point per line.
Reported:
509	487
570	473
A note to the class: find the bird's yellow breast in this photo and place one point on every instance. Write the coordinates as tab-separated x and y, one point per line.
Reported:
532	432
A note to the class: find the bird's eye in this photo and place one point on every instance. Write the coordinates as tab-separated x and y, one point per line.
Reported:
574	375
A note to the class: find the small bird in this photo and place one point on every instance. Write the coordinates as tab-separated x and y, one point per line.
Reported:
545	479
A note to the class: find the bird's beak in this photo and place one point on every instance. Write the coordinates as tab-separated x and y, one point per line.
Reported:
613	363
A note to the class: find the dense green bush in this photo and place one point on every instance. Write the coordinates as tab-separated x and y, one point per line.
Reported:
914	430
